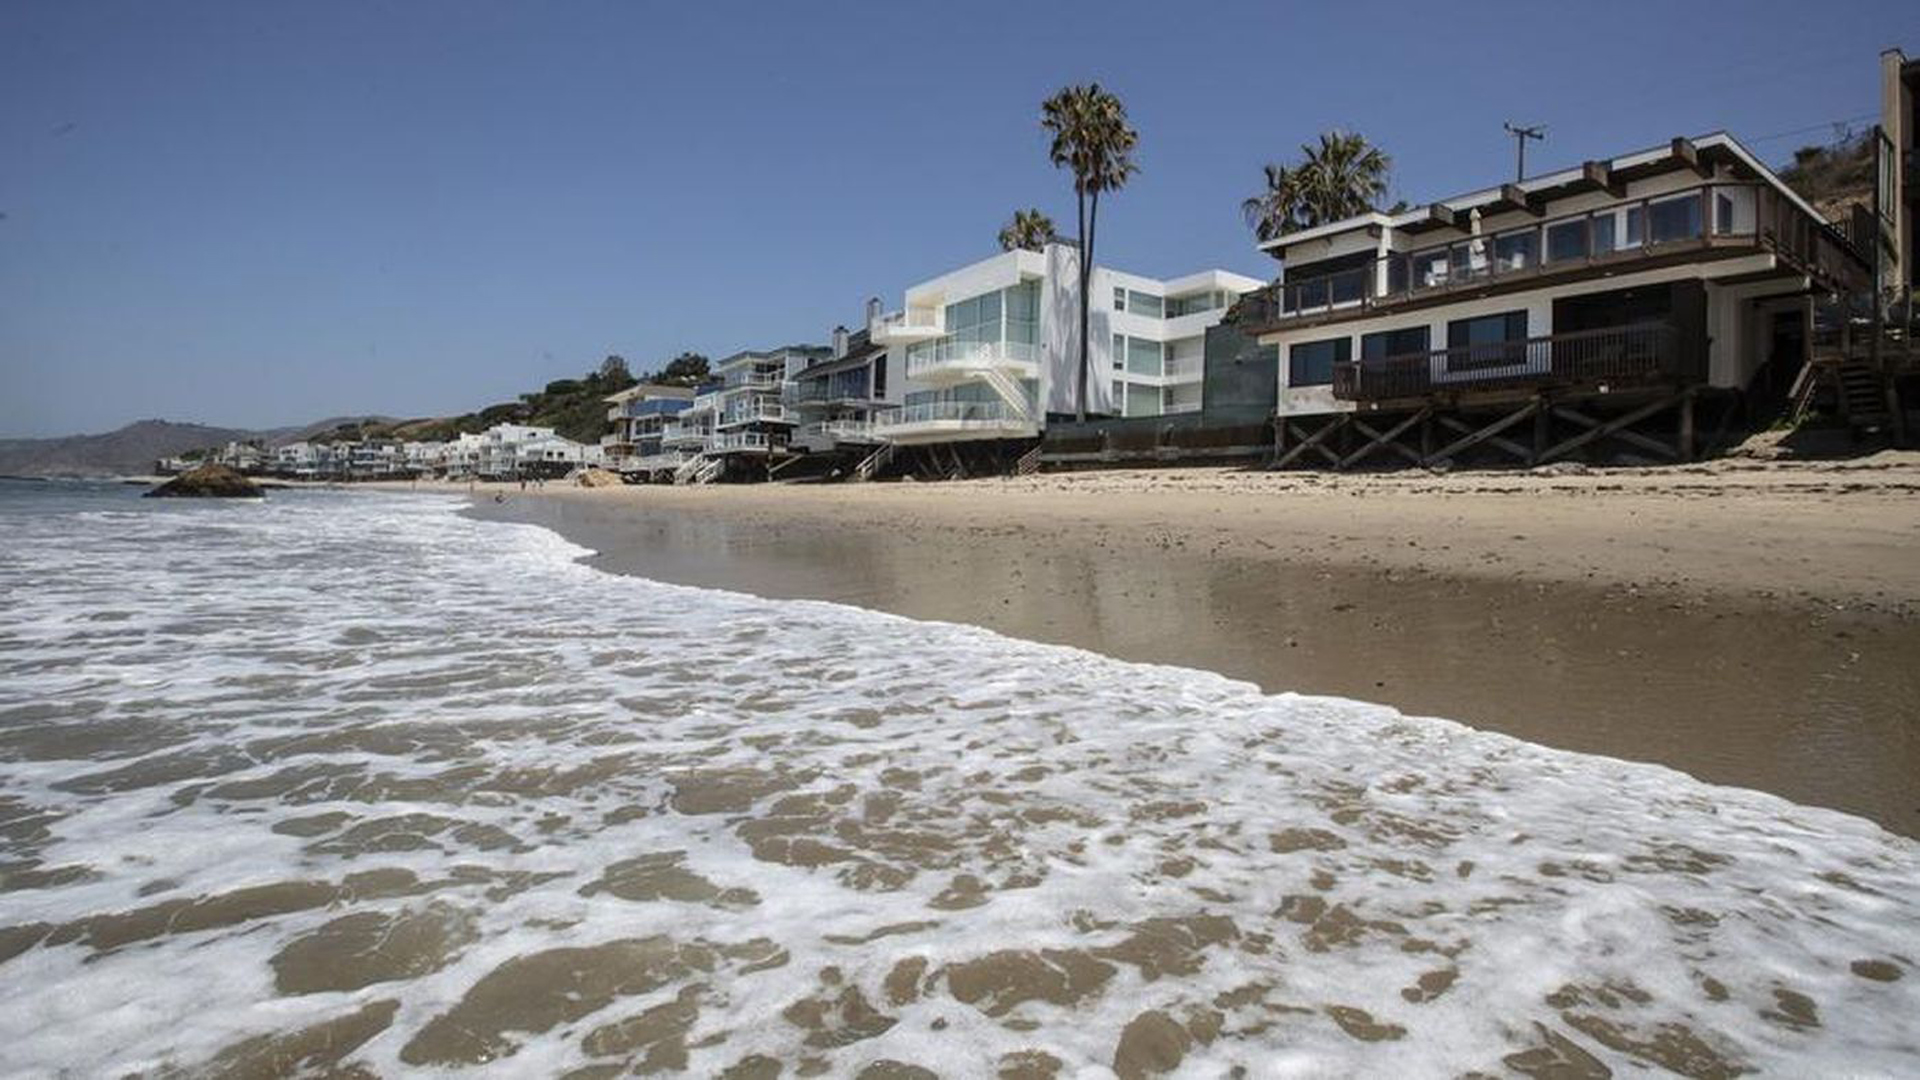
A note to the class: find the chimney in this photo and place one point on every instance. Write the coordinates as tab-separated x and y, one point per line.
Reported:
839	342
873	310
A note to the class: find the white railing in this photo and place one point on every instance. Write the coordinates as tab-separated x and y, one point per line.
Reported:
685	436
654	462
846	430
755	381
925	321
1180	407
970	354
738	440
964	414
1190	368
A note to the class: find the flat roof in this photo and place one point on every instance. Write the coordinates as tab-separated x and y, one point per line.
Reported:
1551	185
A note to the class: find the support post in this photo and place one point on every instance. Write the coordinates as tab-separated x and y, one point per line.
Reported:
1684	444
1542	429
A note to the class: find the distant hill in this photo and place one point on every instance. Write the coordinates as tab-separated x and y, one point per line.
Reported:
132	450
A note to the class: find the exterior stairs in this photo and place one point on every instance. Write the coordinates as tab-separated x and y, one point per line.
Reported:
871	465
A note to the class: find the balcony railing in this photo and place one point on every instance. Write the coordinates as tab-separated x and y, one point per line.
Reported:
1623	354
817	391
738	440
1708	215
1191	368
838	431
951	355
909	325
960	414
759	410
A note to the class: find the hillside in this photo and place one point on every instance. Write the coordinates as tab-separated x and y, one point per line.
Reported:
1835	177
131	450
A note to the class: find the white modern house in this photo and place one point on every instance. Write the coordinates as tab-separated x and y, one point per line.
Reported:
988	352
517	451
1646	279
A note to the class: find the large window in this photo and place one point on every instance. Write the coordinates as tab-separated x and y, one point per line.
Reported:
1145	304
1023	313
1199	302
1311	363
1143	356
1517	250
1488	341
1675	219
1410	341
1567	240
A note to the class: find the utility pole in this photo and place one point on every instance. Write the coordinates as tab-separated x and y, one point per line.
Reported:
1520	137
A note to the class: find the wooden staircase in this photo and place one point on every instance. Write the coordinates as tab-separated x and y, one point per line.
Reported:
1860	392
872	464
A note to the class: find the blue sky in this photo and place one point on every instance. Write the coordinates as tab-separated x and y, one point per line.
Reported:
265	213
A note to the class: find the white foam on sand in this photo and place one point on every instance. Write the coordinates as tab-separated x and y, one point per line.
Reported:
897	841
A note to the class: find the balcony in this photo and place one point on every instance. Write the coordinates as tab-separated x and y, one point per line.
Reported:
684	435
764	410
737	442
941	421
1724	218
909	326
958	361
1615	356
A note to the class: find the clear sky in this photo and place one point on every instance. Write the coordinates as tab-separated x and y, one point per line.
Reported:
264	213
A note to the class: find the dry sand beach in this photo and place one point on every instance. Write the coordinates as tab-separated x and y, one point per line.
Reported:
1751	623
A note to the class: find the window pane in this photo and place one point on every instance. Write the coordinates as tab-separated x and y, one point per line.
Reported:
1119	299
1567	240
1142	304
1675	219
1635	226
1603	231
1143	356
1119	351
1412	340
1311	363
1723	212
1517	250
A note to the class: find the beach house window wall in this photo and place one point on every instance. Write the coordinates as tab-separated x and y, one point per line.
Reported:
1406	341
1007	317
1311	363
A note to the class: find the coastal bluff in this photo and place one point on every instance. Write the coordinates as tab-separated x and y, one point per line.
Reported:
208	482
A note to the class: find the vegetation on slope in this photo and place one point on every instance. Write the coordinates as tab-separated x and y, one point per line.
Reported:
1835	177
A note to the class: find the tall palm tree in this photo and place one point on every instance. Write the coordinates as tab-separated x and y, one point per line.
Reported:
1341	177
1092	138
1029	230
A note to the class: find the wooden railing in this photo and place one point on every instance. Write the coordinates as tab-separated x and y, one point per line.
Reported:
1614	354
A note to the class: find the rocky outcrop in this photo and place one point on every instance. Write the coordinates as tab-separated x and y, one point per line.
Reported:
208	482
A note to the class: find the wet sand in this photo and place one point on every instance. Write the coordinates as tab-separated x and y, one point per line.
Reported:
1753	626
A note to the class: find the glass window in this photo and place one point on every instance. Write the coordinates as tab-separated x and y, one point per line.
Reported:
1636	227
1674	219
1722	212
1603	234
1567	240
1412	340
1119	299
1488	334
1516	250
1311	363
1142	304
1119	352
1023	313
1142	400
1143	356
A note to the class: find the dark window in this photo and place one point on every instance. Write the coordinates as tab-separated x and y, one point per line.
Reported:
880	377
1636	226
1675	219
1603	227
1488	341
1311	363
1412	340
1723	212
1516	250
1567	240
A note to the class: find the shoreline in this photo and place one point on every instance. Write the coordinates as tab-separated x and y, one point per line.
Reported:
1651	635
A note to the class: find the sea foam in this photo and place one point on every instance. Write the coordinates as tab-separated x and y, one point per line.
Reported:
353	779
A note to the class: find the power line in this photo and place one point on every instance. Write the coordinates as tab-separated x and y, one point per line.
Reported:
1829	125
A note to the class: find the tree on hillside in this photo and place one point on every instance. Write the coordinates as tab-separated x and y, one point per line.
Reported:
1342	176
1029	230
614	369
1091	137
687	369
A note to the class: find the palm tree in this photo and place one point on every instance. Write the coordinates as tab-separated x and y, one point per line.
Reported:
1029	230
1341	177
1091	137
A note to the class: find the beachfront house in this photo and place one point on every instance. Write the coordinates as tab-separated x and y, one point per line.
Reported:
834	398
989	353
748	425
639	415
296	460
1529	320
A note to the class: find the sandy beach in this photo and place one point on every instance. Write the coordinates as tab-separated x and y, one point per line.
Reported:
1751	623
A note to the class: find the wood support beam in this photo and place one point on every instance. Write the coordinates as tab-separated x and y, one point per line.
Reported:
1616	425
1313	442
1520	199
1689	155
1443	215
1600	175
1386	440
1488	433
1625	435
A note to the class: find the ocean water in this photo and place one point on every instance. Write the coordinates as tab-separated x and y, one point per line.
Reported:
350	784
